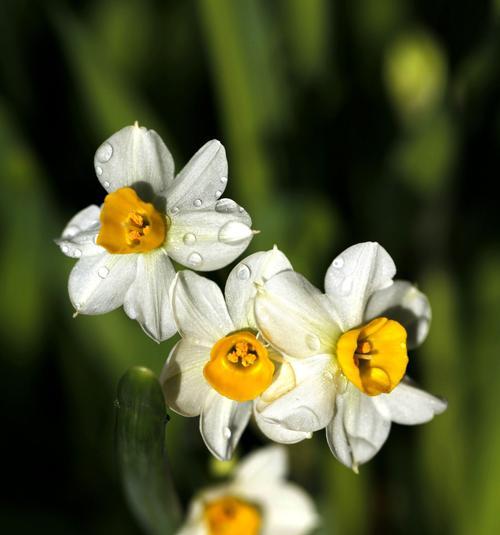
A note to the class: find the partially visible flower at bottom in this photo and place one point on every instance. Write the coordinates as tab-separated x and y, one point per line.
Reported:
258	501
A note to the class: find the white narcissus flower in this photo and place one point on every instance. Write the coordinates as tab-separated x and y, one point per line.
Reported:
148	218
222	365
348	350
258	501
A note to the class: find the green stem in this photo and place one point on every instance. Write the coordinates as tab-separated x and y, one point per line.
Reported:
140	439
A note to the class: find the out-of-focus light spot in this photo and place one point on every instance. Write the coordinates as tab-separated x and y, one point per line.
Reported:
415	74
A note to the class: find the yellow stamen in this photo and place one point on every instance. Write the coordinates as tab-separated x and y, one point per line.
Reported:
374	357
231	516
130	225
239	367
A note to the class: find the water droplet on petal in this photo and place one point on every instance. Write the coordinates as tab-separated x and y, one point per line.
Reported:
70	232
242	209
223	179
197	202
174	210
227	433
77	253
243	272
338	262
189	238
226	206
98	171
64	248
104	152
218	193
312	342
106	184
103	272
234	232
194	259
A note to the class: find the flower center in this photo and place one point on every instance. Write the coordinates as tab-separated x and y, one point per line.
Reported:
374	356
231	516
239	367
130	225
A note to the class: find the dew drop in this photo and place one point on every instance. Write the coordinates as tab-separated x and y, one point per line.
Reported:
243	272
312	342
198	203
77	253
174	210
104	152
218	193
64	249
242	209
338	262
227	433
98	171
103	272
234	232
223	179
189	238
106	184
70	231
194	259
226	206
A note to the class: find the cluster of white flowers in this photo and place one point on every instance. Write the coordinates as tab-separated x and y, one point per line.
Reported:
272	346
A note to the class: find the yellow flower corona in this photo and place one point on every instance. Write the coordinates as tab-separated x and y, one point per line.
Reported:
130	225
374	357
230	515
239	367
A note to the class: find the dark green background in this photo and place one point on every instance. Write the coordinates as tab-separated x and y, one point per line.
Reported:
344	121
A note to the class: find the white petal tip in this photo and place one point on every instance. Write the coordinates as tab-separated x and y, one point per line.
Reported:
355	468
76	313
234	232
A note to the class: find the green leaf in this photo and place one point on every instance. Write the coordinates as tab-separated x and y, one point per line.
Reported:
140	439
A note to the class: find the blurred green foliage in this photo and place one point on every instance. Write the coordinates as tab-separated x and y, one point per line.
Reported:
344	121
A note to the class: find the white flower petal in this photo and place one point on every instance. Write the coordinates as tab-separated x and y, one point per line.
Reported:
409	405
404	303
354	276
193	528
358	430
278	433
81	244
202	181
206	239
293	315
98	284
199	308
182	380
288	510
266	465
134	156
336	435
240	288
147	299
222	423
365	427
309	406
85	220
79	235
